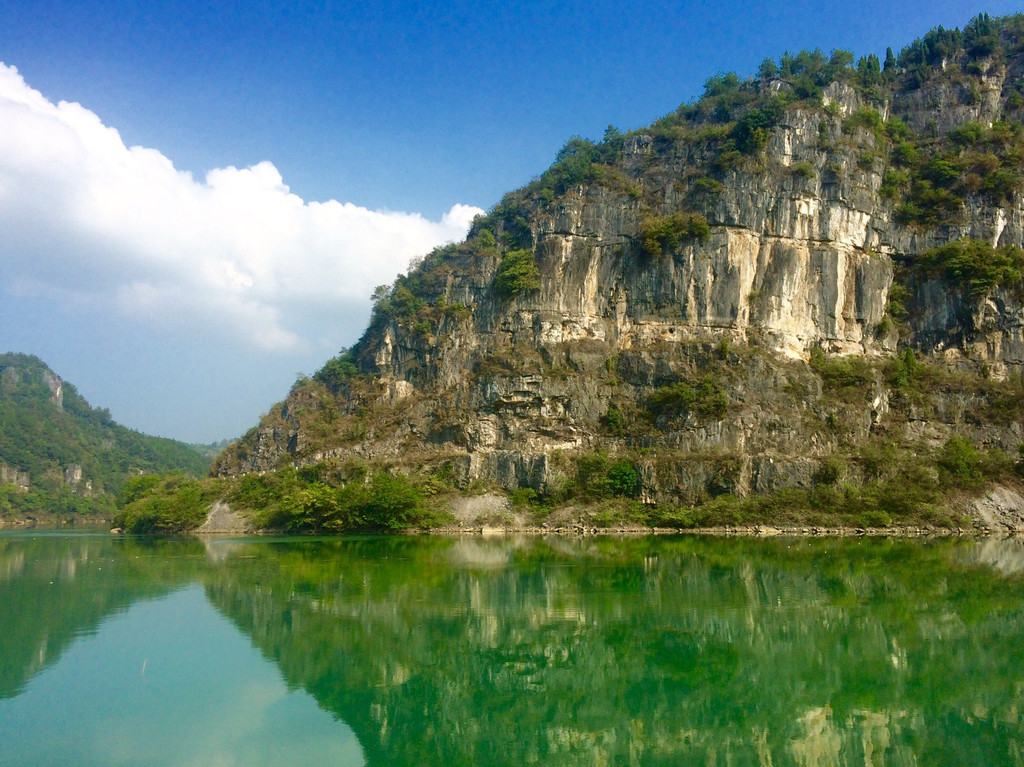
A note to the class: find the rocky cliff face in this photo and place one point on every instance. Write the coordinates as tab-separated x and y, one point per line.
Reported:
800	250
15	478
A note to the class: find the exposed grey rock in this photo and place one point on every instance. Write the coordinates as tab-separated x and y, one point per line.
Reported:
18	479
1001	509
801	253
221	519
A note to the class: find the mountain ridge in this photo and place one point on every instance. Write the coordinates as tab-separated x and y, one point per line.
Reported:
60	458
804	285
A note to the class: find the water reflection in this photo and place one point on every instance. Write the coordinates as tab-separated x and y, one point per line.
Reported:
594	651
1005	555
55	588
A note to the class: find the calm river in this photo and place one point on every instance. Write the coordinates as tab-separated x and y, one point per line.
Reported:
510	651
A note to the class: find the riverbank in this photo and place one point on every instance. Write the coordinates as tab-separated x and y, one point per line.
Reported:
54	523
998	510
766	531
997	513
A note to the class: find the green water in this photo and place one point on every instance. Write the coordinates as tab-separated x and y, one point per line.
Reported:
510	651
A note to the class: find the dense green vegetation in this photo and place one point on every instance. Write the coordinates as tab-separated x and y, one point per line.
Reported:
45	436
517	273
376	502
327	497
666	233
841	372
705	400
937	175
338	369
164	503
974	267
580	161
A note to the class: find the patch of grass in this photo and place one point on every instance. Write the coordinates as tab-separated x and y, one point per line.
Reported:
868	119
598	476
708	186
804	170
614	421
339	369
829	471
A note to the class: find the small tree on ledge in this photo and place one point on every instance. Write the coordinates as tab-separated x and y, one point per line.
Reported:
516	274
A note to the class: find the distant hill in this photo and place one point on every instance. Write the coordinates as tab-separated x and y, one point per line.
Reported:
210	450
59	456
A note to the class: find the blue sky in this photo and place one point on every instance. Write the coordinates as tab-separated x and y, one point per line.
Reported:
272	162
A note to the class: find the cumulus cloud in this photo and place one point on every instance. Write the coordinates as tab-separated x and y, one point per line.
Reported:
88	219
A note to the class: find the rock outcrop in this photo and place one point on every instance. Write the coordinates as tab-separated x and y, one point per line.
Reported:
766	254
15	478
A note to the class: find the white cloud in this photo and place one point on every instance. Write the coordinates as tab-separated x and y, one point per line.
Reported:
236	255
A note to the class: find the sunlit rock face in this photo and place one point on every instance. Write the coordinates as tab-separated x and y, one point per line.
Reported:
802	251
791	257
795	258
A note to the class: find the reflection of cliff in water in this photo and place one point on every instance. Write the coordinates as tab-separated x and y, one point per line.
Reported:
519	651
1006	555
646	651
54	589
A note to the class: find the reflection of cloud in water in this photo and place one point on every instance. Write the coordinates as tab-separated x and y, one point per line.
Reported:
169	682
1005	555
490	552
234	733
820	741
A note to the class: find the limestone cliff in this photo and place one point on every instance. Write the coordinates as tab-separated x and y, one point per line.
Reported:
719	248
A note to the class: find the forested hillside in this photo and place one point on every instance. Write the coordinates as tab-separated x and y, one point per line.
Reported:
60	457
